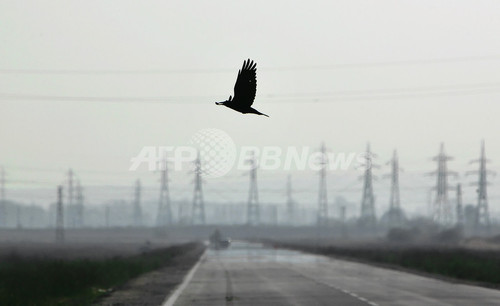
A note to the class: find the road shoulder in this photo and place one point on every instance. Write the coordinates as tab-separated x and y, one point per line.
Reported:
152	288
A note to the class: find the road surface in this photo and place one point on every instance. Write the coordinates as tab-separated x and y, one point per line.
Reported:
251	274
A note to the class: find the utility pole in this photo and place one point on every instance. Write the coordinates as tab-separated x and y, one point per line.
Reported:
460	209
441	213
79	209
71	206
482	220
59	216
322	193
253	211
395	213
198	210
137	205
290	205
3	208
164	216
368	217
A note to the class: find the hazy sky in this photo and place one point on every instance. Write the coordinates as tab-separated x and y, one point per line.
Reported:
400	74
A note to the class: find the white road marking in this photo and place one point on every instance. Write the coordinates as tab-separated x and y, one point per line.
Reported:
174	296
354	295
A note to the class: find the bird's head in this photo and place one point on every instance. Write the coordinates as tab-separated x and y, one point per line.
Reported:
224	102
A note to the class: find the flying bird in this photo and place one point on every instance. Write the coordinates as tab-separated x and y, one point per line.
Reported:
244	90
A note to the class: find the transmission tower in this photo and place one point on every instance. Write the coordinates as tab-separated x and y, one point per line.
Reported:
3	208
322	193
253	212
442	213
290	205
368	218
59	216
71	204
460	209
482	220
164	216
198	210
137	204
79	205
395	214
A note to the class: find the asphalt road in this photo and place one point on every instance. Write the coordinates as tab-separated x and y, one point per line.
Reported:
250	274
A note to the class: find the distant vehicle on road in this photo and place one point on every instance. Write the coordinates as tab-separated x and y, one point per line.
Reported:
218	242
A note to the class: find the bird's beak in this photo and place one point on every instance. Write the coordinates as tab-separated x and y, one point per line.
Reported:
219	103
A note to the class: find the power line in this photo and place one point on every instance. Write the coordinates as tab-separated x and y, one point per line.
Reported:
61	169
338	96
430	61
391	63
439	88
53	98
79	72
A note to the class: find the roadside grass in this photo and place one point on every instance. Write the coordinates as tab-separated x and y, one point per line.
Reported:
464	264
44	281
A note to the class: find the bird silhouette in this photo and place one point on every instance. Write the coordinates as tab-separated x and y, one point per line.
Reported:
244	90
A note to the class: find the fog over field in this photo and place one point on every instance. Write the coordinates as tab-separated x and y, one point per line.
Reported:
87	85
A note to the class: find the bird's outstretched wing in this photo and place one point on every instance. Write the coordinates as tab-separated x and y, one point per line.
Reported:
246	84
